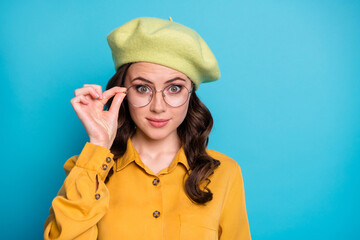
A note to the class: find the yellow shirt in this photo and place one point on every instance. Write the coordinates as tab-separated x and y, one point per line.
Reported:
138	204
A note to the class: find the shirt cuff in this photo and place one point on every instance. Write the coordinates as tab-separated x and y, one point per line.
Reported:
96	158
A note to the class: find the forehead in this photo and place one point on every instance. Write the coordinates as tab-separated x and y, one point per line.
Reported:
153	72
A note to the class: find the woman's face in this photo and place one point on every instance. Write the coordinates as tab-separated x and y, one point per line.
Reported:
147	118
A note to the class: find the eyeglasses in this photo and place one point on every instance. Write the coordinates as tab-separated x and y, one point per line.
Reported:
175	95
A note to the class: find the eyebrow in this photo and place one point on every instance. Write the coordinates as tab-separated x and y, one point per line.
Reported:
171	80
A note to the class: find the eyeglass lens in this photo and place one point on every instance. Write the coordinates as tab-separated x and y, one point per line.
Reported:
141	95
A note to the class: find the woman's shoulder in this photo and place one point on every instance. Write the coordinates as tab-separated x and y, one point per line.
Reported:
226	161
228	171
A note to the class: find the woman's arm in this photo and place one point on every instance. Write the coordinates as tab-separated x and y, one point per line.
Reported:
83	199
234	223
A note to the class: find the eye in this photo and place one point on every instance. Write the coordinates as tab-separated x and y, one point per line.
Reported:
175	88
142	88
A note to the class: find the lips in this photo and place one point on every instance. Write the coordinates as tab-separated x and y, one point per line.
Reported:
157	122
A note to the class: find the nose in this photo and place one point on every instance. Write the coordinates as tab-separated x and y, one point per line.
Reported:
157	102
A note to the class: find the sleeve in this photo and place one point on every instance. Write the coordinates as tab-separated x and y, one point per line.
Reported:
234	223
83	199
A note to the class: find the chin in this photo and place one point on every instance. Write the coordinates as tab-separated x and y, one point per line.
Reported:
157	134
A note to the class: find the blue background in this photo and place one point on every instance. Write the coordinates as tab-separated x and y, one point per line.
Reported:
286	107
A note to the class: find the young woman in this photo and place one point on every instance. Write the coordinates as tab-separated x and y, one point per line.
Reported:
146	172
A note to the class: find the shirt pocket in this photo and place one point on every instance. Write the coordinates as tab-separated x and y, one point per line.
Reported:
196	226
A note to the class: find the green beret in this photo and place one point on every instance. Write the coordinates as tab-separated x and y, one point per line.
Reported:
164	42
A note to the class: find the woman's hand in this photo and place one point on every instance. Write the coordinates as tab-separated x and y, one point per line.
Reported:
100	125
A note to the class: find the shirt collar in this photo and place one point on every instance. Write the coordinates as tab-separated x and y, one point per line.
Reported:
132	155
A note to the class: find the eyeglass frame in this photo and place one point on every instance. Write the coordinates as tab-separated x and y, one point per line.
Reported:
163	94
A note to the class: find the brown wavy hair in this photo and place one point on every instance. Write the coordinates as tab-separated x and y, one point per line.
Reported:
193	133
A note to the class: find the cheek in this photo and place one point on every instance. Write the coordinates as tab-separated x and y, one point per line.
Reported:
135	113
182	113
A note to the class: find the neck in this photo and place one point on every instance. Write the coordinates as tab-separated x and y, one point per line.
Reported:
155	147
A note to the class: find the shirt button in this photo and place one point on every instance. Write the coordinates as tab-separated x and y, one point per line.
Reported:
156	181
97	196
108	159
156	214
104	166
